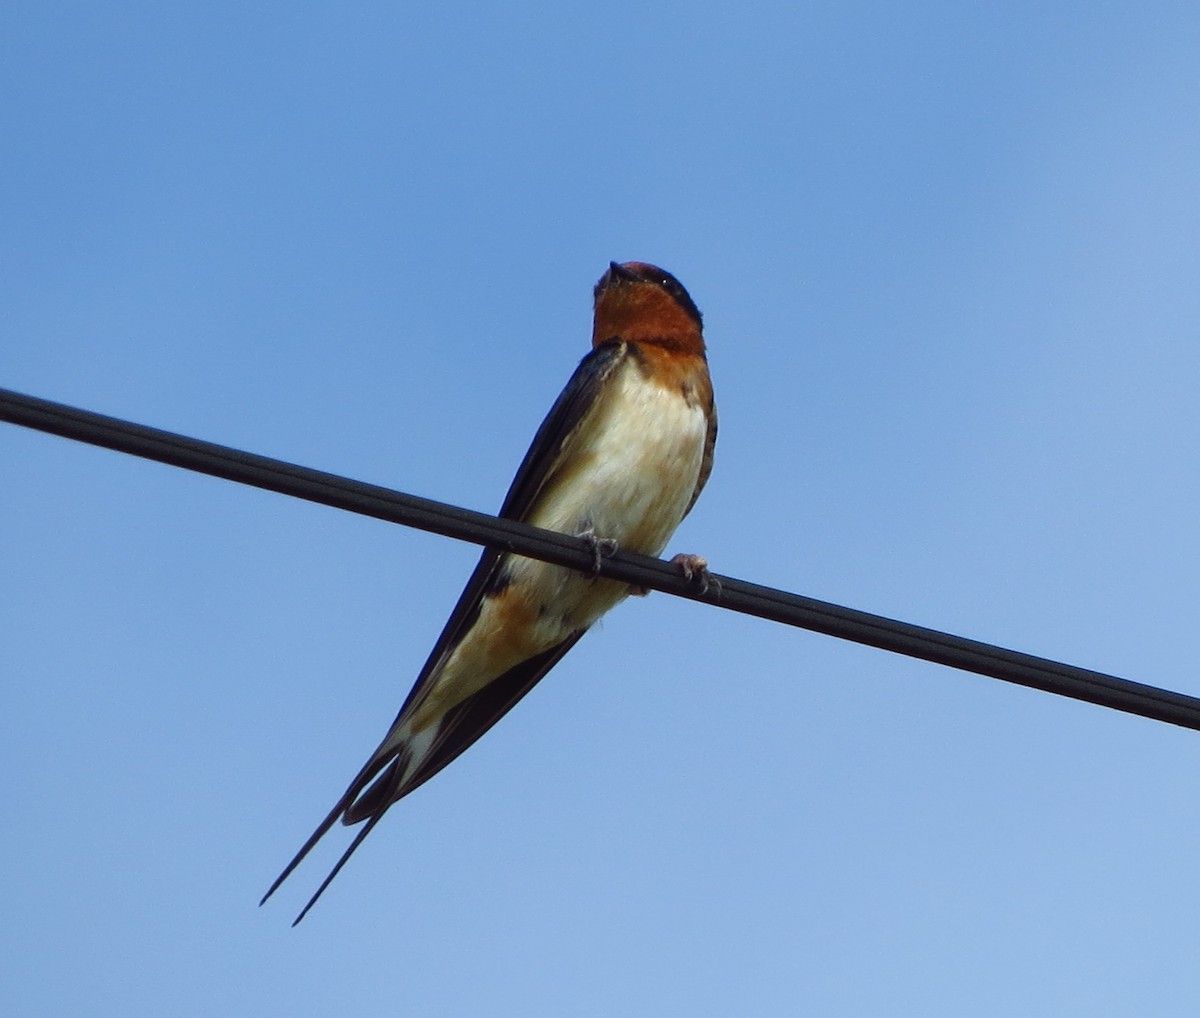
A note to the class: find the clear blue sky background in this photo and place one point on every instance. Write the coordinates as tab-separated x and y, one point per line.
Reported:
949	257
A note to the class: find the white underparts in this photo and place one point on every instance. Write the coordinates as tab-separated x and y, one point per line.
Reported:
628	475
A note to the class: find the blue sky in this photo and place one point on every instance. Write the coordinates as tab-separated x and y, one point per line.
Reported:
948	258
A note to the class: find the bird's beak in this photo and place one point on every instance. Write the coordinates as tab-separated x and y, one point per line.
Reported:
616	271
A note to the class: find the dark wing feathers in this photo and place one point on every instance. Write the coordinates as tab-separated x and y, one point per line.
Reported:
706	461
461	728
539	463
564	417
377	786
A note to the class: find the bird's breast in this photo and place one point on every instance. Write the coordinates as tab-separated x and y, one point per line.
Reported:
632	467
628	476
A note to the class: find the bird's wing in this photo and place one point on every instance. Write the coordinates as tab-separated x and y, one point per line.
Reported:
381	781
706	461
551	445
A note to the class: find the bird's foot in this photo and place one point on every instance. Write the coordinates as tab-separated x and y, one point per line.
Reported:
601	548
695	569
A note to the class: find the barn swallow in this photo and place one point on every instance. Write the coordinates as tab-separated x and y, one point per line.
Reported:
620	460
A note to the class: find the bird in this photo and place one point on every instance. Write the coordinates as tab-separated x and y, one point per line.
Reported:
619	460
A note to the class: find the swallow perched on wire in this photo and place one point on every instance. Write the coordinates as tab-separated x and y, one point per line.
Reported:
620	459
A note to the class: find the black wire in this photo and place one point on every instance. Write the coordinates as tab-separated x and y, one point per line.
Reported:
574	553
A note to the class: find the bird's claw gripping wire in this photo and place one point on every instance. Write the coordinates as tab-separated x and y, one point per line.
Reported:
601	548
695	570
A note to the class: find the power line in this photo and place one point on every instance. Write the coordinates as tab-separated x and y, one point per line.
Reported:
574	553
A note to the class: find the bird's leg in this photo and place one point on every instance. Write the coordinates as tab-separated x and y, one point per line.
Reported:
601	547
695	568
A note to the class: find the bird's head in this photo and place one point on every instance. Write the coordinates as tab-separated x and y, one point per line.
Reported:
638	302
